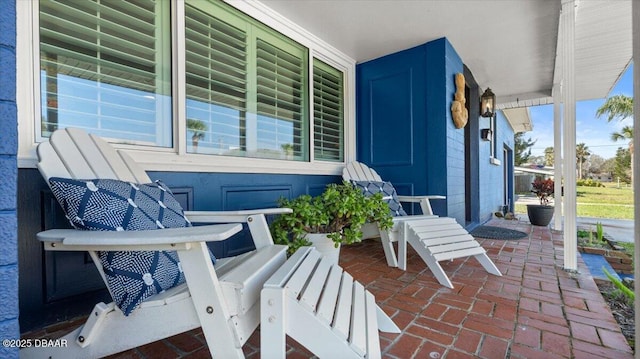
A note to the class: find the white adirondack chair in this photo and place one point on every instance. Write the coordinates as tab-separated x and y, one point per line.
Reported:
223	299
433	238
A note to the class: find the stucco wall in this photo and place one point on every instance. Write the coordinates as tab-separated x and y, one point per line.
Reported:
8	179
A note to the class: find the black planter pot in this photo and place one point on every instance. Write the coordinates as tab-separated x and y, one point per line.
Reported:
539	215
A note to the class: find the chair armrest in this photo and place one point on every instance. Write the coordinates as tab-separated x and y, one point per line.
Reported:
417	199
159	239
231	216
425	202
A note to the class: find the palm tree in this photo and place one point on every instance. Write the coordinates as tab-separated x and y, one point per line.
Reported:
625	134
549	156
582	152
619	107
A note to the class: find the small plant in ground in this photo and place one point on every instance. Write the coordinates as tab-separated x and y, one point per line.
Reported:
587	238
583	233
599	231
628	293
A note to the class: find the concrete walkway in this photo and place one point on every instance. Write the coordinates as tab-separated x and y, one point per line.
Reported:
536	309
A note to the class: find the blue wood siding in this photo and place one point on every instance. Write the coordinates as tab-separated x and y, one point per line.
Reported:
404	123
405	131
492	181
238	191
8	179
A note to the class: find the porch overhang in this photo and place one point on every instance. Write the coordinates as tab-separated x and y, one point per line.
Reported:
510	46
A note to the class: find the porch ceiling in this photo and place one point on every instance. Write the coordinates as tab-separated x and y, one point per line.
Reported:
510	46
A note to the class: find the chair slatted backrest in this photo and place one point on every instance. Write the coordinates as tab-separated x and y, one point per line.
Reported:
72	153
356	171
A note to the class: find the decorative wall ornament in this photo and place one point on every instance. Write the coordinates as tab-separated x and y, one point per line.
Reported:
458	107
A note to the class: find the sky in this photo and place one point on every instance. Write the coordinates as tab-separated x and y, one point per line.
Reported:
594	132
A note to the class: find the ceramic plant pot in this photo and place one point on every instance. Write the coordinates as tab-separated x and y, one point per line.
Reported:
325	246
539	215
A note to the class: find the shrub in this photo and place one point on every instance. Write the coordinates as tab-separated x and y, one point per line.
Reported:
543	188
589	183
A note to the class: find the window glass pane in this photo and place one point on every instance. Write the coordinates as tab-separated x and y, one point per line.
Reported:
216	72
105	67
281	104
246	86
328	112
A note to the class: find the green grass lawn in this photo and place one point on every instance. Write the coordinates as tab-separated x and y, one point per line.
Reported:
601	202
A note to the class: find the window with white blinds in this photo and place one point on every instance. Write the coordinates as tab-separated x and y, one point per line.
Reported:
328	112
281	101
216	83
105	67
246	86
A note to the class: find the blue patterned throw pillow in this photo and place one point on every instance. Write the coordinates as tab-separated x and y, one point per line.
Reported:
389	195
113	205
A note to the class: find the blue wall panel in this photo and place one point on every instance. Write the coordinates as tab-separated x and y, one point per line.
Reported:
405	131
391	139
390	127
9	328
236	191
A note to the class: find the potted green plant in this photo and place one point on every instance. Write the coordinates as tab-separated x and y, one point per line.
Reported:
540	215
327	221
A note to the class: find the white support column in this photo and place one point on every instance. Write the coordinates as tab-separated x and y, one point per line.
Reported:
557	156
568	18
635	8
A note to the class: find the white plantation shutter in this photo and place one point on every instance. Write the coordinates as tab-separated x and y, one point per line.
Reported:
281	100
105	68
216	80
246	83
328	112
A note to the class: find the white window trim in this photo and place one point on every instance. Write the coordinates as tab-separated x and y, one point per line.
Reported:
176	159
493	159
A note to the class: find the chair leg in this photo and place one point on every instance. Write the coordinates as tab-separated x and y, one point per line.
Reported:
402	246
431	262
389	252
272	319
488	264
210	307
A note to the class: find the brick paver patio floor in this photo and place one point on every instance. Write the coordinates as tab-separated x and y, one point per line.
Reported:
535	310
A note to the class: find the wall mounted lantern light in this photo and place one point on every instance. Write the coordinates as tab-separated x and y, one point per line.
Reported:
487	103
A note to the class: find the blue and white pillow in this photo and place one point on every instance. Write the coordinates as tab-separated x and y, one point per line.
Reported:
113	205
389	194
